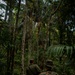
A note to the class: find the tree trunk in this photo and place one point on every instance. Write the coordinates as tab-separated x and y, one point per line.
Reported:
23	45
9	57
29	49
8	60
30	40
23	41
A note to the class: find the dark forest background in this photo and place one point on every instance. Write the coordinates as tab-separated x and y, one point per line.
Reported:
38	29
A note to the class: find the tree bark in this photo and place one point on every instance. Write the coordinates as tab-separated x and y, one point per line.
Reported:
23	45
23	41
9	57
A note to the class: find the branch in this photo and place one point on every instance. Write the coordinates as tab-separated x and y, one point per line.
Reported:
56	8
17	15
54	12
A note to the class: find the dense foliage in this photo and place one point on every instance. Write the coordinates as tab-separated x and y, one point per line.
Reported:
39	29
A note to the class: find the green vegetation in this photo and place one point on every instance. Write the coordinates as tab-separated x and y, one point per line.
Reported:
39	29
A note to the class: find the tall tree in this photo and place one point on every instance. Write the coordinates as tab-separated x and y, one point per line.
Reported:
23	40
